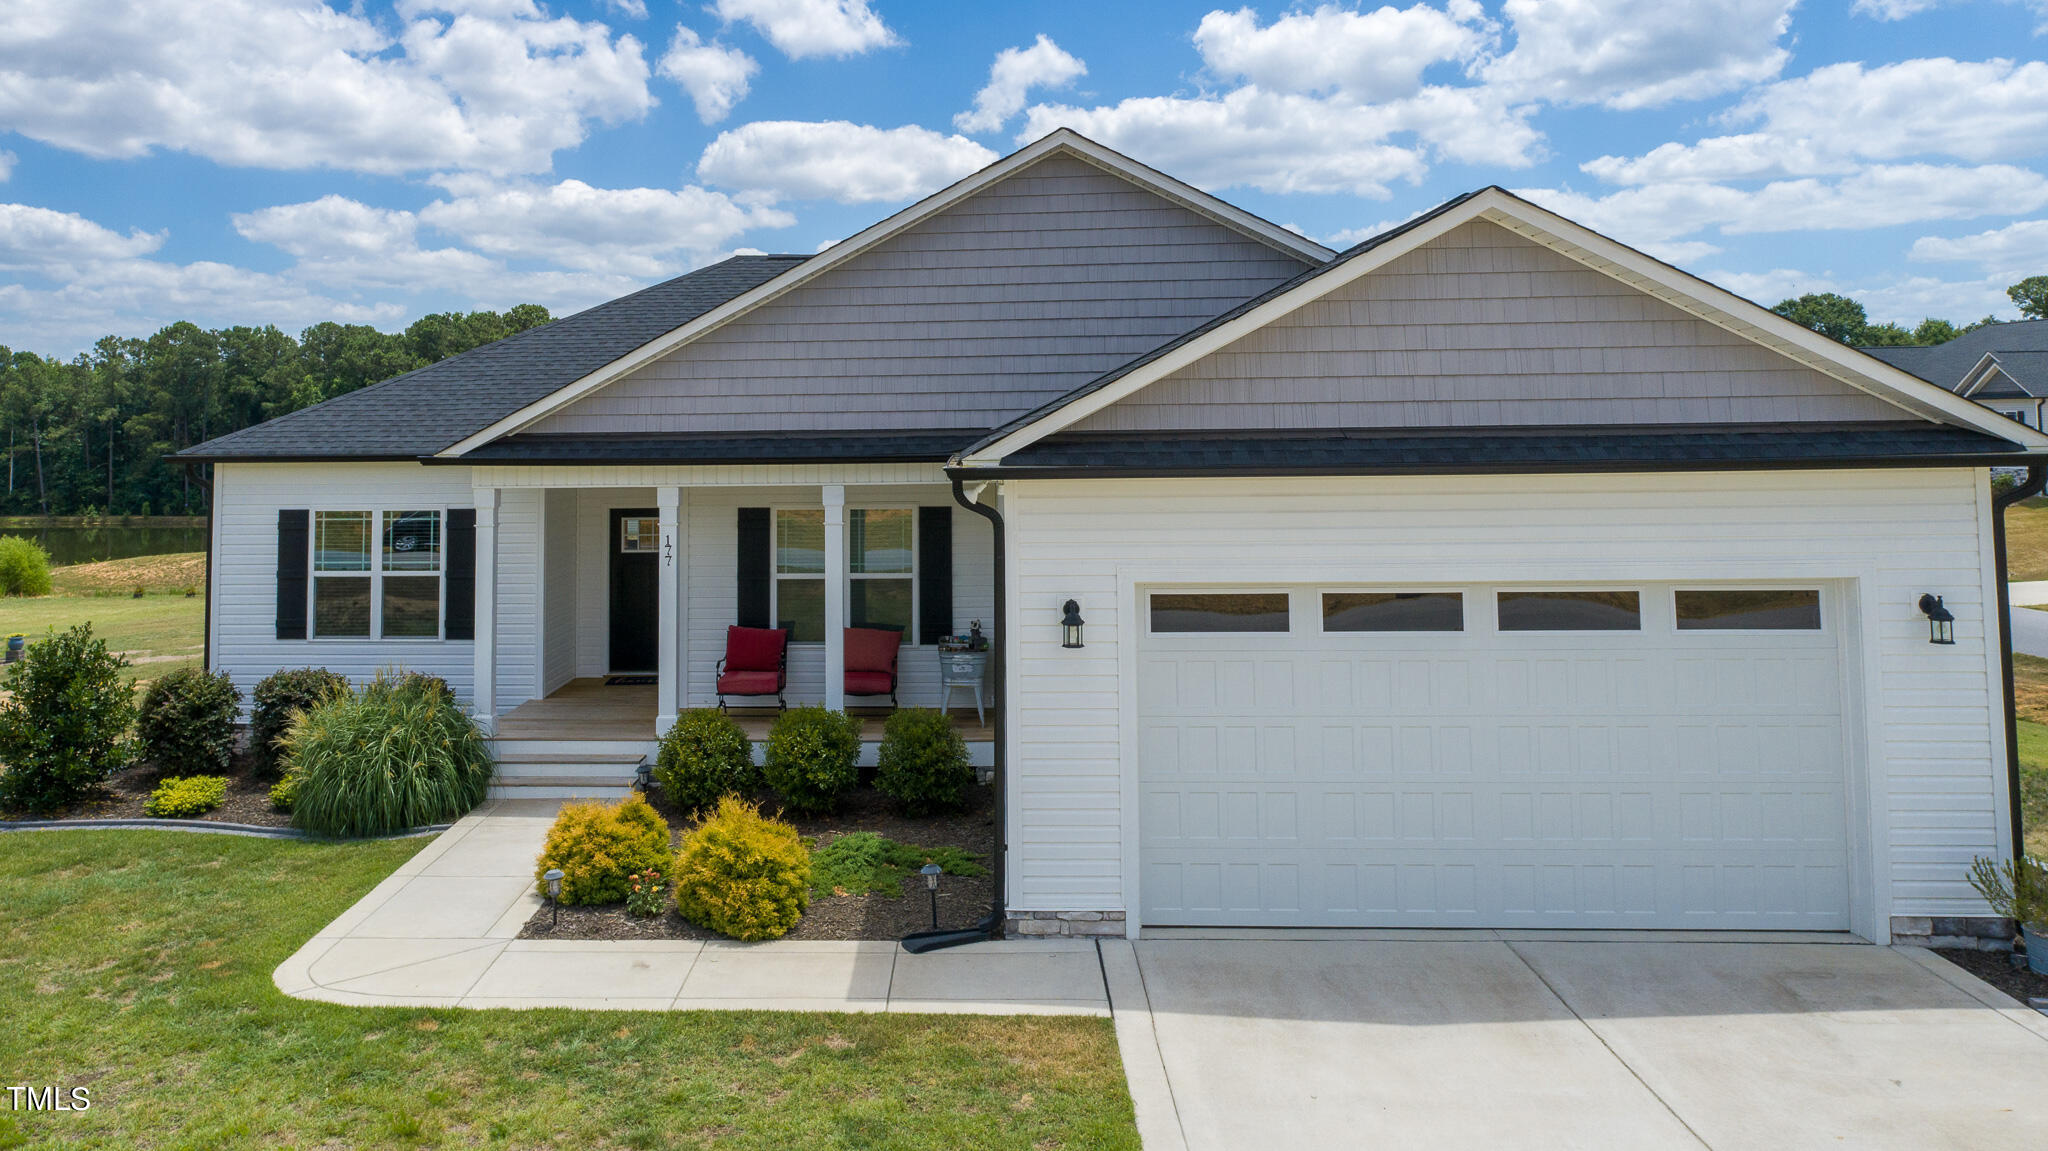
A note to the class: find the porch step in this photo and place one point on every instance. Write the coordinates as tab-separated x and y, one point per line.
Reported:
559	787
509	747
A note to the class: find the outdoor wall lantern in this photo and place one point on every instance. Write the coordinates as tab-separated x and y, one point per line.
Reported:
554	878
1941	624
643	777
930	871
1070	625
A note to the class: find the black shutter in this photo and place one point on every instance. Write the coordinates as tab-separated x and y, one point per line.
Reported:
934	573
756	567
292	558
461	574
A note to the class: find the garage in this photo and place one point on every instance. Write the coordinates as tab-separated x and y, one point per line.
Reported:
1643	755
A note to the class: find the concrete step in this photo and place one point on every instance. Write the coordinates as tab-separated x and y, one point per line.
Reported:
549	768
503	746
559	787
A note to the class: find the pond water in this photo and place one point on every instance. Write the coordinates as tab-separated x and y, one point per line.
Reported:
80	545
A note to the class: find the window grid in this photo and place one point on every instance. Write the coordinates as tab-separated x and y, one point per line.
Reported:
799	567
377	574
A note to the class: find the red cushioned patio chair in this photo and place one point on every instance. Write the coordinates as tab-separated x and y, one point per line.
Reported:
756	663
871	661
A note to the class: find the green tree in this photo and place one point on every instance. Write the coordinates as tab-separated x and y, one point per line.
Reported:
1931	331
2031	294
1836	317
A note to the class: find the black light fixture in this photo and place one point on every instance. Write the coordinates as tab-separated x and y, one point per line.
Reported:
643	777
554	878
1070	624
930	871
1941	624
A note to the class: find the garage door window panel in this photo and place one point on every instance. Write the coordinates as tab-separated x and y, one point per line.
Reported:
1213	612
1748	609
1570	611
1393	611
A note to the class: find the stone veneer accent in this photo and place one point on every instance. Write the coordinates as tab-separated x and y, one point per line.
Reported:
1973	932
1026	924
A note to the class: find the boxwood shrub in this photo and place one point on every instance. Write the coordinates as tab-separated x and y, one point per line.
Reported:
276	697
923	762
186	797
704	758
398	754
187	723
742	874
64	723
598	847
812	756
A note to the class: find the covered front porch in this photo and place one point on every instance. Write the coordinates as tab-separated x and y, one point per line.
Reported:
591	709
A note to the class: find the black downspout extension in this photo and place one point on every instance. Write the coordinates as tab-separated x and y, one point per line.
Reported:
991	925
2037	477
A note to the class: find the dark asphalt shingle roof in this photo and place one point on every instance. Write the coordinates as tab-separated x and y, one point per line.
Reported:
1946	364
1463	451
2020	374
424	411
799	448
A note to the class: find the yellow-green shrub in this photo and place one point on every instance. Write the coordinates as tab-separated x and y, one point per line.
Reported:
598	846
285	792
187	796
743	874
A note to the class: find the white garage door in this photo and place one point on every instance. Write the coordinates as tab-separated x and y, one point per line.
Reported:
1644	756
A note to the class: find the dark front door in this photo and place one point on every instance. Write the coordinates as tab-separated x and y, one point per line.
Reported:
636	583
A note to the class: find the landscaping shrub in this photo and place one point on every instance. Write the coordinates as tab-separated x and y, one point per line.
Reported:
704	758
399	754
812	756
64	724
923	762
742	874
597	847
24	567
285	792
2016	889
276	697
861	862
186	797
187	723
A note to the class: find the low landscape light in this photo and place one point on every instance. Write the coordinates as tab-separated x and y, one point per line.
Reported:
554	878
931	871
1941	624
1070	624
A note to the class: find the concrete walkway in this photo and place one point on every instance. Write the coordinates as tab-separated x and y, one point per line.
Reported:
1535	1040
441	932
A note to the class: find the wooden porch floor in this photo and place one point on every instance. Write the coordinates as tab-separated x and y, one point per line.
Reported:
587	709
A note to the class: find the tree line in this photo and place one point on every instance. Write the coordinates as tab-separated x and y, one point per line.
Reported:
1843	319
89	435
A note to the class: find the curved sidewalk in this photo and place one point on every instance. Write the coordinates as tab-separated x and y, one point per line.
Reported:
441	931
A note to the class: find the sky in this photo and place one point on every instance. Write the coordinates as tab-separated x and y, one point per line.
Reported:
292	161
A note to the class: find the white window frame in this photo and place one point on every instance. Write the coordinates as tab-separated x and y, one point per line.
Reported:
911	638
375	575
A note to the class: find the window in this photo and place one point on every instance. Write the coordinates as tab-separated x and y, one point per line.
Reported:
1393	611
398	596
881	558
1743	610
639	534
1570	611
1219	611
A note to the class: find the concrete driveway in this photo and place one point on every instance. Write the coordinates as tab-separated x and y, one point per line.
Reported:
1485	1040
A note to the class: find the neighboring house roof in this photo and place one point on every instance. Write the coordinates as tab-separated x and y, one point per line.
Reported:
1947	364
1498	206
2006	375
422	412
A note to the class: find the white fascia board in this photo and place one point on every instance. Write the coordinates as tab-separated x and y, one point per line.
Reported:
1687	292
1064	139
1980	373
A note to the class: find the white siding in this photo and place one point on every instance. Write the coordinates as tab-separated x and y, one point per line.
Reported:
519	614
247	499
1926	755
559	591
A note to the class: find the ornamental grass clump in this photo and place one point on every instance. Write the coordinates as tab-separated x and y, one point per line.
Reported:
923	763
186	797
24	567
281	695
64	722
187	722
704	758
599	847
743	874
399	754
812	756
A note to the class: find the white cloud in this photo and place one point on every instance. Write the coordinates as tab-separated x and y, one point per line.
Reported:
776	160
804	28
1015	72
492	85
1639	53
1836	117
2015	251
42	239
1904	300
634	9
715	76
7	160
1377	55
637	232
1892	9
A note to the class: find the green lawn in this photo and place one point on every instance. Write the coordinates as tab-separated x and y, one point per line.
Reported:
138	964
161	632
2034	785
2026	539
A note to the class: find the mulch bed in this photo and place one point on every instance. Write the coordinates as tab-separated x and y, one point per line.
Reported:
1995	968
962	900
122	797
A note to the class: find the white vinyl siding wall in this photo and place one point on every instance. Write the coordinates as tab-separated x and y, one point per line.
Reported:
1927	767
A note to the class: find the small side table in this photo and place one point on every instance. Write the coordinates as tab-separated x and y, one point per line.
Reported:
968	669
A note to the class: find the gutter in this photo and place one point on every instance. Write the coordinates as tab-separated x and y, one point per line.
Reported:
991	925
2037	478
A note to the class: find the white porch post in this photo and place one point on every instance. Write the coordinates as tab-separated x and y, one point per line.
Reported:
485	685
668	692
835	596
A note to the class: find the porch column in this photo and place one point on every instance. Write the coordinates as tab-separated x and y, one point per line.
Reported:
835	596
668	692
485	683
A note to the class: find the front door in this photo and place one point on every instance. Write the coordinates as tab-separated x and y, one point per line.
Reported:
636	582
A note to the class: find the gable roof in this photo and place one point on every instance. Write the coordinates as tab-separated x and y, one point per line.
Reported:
1063	141
423	411
1947	364
2006	375
1498	206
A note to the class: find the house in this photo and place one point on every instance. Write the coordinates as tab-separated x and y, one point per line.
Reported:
1487	573
2002	366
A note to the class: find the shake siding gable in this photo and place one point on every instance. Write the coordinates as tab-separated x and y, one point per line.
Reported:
1483	327
995	305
